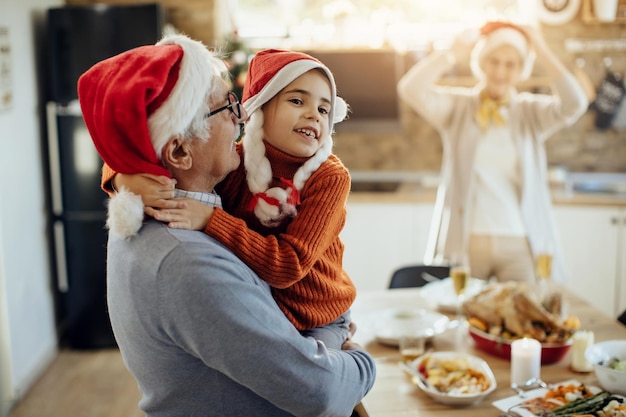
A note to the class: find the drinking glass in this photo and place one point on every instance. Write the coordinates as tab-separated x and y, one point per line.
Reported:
412	345
460	275
543	272
543	266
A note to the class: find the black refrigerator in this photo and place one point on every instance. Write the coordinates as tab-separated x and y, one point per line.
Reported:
78	37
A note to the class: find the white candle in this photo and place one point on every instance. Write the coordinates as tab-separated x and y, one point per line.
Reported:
582	340
525	360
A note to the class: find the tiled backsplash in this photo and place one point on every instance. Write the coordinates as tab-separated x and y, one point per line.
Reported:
417	146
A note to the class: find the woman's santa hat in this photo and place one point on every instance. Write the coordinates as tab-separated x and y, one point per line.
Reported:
269	72
496	34
134	102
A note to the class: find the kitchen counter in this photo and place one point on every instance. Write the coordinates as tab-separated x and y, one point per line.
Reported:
415	193
421	187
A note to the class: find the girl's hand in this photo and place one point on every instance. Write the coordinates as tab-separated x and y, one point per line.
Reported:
192	215
462	45
157	192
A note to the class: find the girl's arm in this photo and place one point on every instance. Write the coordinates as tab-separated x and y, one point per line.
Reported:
156	191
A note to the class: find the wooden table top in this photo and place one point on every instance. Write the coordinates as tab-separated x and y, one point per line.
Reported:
394	395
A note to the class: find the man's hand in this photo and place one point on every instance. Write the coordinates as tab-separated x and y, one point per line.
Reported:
349	344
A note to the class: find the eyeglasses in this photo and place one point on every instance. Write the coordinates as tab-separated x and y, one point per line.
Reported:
233	105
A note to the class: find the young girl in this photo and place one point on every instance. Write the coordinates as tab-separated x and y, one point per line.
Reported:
284	208
493	203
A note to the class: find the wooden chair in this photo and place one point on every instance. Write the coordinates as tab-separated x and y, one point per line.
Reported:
417	275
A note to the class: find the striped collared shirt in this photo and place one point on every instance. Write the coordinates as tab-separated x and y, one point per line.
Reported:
210	199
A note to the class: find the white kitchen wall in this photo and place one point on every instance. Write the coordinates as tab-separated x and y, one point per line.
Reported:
28	340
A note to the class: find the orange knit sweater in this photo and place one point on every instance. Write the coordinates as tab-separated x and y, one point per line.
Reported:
302	258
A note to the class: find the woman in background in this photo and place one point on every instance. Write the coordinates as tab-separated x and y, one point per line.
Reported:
493	203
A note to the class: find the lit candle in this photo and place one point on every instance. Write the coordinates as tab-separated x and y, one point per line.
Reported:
525	360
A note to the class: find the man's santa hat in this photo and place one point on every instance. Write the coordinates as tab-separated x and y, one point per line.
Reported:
134	102
496	34
269	72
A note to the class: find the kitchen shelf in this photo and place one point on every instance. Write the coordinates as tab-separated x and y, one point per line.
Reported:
469	81
588	16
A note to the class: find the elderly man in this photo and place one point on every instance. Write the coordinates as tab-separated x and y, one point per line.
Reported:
198	329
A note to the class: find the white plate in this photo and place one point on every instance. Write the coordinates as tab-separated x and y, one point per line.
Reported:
506	403
389	324
442	293
455	399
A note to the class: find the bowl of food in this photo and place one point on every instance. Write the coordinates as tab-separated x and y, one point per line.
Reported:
501	347
453	378
609	363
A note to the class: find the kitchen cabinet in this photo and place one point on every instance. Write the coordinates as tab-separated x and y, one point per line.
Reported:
380	237
594	247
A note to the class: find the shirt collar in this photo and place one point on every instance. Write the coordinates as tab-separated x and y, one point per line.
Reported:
210	199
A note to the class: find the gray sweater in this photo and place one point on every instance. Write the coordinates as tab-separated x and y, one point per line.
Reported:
203	336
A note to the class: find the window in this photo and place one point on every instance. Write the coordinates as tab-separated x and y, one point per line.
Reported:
400	24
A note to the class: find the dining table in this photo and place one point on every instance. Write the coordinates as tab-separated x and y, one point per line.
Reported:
394	393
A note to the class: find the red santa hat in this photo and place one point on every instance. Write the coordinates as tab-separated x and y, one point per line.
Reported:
496	34
269	72
134	102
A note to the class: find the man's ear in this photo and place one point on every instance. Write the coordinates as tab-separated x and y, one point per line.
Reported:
176	154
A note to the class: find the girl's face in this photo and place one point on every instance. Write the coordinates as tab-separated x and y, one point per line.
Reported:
297	118
502	68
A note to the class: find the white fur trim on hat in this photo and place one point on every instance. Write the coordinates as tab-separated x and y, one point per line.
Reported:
125	214
288	74
198	70
497	38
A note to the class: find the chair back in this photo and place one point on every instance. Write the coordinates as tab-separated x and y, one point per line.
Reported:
417	275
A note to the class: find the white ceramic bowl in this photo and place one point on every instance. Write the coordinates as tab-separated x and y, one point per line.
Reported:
454	398
599	354
389	324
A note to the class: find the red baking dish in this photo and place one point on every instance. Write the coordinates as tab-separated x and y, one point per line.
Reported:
497	346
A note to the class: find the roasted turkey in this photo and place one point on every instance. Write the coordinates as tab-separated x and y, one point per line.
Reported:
513	310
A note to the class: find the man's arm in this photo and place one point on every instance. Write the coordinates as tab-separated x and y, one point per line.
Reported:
297	374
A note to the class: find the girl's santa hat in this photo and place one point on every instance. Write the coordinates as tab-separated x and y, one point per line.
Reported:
496	34
134	102
269	72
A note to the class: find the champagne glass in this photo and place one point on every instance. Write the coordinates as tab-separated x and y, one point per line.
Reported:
543	266
460	276
543	261
543	272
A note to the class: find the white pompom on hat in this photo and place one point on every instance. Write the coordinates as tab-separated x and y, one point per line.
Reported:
269	72
134	102
496	34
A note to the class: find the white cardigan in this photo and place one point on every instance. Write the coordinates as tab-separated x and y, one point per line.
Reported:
533	119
